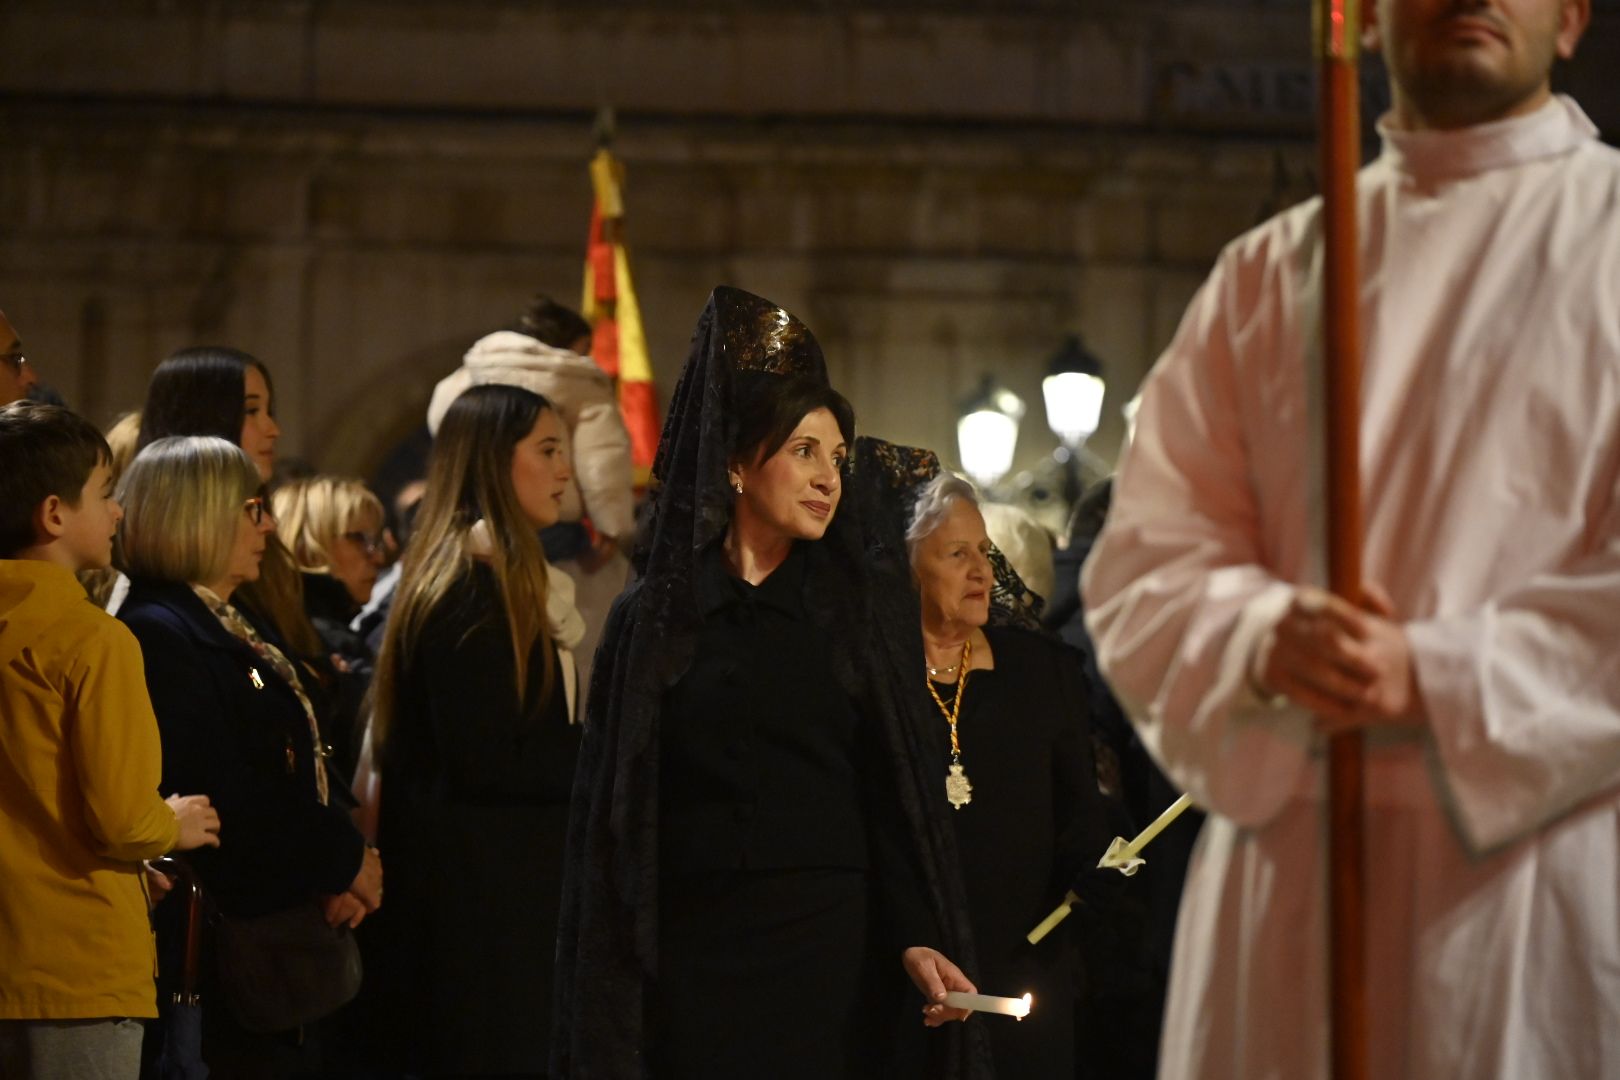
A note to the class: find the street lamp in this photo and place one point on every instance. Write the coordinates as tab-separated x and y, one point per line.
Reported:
987	433
1073	389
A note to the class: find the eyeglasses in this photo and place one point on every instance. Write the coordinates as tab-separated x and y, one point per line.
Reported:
373	543
256	510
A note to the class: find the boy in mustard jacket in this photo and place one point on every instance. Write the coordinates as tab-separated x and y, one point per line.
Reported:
79	769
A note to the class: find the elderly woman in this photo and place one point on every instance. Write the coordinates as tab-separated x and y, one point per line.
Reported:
235	721
1014	759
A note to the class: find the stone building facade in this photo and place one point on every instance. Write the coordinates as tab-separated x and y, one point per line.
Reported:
354	190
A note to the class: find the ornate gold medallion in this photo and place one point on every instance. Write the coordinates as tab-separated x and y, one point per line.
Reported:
957	788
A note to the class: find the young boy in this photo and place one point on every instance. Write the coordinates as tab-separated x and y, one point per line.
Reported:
79	768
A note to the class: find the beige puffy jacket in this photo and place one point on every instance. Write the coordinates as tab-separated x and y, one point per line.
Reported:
599	445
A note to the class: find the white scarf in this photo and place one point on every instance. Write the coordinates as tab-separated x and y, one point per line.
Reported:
567	624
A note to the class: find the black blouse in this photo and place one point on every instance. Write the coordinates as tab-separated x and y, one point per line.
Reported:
762	747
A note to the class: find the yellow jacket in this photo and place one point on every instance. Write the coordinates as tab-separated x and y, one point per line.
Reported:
79	805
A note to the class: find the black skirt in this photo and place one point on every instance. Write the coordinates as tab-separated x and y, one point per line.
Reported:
767	973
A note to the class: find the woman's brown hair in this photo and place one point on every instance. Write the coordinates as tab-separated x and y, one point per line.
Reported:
470	481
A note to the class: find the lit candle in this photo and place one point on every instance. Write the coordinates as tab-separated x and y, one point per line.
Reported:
1015	1007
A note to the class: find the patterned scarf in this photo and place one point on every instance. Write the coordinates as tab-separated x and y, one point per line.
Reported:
232	620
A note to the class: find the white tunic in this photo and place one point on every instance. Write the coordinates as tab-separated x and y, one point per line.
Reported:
1491	485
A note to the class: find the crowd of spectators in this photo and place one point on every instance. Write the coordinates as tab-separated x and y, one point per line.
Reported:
240	694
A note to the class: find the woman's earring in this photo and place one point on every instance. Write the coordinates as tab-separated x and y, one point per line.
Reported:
736	485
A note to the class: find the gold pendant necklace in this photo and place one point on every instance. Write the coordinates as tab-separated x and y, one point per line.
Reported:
957	788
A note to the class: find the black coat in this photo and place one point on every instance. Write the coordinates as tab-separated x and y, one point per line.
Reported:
346	669
475	790
783	848
232	730
1035	827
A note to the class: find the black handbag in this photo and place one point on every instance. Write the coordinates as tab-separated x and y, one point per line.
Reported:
286	969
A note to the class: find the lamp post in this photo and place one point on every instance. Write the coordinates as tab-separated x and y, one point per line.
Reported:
1074	390
987	432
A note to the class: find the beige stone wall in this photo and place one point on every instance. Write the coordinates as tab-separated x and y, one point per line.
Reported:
356	190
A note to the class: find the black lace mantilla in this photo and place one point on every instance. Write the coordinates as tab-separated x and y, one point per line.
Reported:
897	473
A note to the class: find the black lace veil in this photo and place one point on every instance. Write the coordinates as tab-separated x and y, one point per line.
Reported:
892	475
858	585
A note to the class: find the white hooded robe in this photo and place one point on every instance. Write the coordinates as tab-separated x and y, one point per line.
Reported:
1490	261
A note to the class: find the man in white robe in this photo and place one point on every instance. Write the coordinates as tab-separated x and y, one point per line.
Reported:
1484	665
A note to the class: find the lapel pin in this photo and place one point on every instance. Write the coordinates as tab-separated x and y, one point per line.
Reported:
255	678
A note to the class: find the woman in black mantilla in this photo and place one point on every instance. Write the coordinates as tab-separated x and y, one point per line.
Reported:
752	857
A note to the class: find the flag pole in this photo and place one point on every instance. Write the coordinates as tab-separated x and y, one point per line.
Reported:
1338	33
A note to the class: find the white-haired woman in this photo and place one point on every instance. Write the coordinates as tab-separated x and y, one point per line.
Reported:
1014	751
235	721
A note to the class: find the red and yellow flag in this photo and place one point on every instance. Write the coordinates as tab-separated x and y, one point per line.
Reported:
617	342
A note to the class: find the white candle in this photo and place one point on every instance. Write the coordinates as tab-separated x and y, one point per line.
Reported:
1162	822
1006	1006
1047	924
1119	856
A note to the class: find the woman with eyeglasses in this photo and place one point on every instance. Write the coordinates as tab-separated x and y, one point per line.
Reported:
225	392
236	720
333	526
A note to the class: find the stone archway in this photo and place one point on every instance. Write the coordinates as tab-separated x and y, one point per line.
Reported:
386	412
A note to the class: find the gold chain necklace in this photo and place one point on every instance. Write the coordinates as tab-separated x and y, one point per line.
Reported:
957	788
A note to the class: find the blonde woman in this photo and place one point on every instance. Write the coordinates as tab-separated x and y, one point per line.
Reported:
235	719
475	747
333	527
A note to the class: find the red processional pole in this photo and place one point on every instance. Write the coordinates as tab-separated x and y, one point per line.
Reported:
1338	33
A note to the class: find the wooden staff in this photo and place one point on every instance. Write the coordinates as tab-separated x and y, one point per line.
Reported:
1338	33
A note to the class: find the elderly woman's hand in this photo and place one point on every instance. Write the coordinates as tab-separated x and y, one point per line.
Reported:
934	975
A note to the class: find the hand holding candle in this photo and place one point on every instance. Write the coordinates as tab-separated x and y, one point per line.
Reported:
934	975
1017	1008
1119	856
1129	852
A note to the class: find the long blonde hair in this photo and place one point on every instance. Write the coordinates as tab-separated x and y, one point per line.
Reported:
470	480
